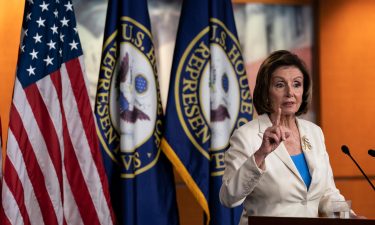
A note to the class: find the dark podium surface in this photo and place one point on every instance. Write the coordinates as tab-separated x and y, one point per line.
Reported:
265	220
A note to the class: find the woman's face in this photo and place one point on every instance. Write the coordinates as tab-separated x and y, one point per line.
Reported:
286	90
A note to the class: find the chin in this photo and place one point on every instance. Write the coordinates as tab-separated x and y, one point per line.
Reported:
288	112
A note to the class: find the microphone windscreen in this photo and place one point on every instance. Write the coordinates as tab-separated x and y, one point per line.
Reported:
345	149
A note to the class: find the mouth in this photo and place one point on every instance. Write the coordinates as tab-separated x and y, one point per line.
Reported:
288	104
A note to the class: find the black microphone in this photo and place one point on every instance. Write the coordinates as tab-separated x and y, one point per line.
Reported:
371	152
345	150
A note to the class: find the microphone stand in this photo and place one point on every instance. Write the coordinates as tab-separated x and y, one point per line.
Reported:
345	150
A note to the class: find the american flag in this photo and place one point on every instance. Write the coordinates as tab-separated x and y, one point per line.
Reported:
53	172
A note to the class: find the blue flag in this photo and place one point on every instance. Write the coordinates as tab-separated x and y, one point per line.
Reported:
208	98
130	119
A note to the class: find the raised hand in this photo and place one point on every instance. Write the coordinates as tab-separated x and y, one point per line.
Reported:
272	138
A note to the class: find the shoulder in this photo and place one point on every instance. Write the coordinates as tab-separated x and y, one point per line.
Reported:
311	131
308	125
245	132
250	127
246	138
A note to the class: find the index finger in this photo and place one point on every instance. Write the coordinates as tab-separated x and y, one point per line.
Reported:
278	116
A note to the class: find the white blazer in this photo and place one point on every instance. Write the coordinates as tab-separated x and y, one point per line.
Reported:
279	189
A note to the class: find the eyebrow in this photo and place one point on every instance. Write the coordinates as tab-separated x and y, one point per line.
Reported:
275	77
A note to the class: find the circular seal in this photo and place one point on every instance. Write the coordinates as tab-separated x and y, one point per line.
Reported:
211	92
131	136
133	106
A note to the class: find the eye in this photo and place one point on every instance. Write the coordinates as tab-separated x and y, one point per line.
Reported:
297	84
279	84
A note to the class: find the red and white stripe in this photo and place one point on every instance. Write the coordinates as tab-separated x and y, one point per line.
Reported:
53	170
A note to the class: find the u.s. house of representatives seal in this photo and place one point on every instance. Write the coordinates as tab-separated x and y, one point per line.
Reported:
212	93
128	101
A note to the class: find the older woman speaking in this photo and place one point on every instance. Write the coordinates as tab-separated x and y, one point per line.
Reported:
277	164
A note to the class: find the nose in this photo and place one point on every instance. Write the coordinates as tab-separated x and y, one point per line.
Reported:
289	90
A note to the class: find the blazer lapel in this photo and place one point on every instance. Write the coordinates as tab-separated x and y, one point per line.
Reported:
281	152
308	150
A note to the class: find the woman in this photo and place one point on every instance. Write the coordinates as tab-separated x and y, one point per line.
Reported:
277	164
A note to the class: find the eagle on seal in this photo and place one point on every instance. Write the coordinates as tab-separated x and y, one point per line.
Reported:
126	114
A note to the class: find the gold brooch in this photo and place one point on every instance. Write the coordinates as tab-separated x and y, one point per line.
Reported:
306	144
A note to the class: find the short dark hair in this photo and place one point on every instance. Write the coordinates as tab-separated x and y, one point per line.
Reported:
263	82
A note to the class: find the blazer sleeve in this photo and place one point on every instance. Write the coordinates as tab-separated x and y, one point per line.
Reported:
331	192
241	173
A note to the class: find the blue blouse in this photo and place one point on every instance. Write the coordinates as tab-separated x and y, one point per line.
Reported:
301	164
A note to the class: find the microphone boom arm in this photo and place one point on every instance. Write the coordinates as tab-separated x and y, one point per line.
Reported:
346	151
373	188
